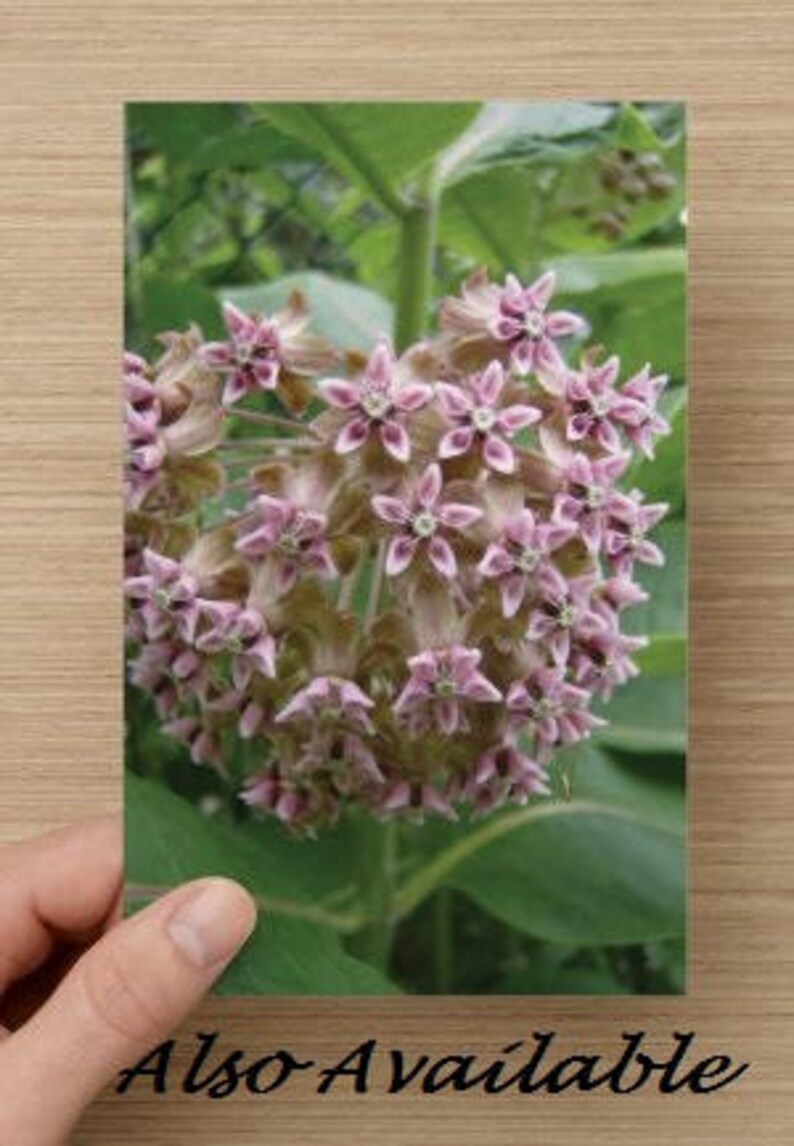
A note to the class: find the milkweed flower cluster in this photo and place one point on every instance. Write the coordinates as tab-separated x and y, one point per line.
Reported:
420	599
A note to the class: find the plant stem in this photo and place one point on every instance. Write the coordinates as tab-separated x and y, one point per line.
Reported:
376	841
375	859
417	243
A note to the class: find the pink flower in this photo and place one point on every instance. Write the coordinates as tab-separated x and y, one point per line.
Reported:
442	681
241	631
564	611
292	537
420	521
594	406
556	710
329	700
480	419
626	539
165	596
637	411
523	322
515	560
604	660
504	775
343	754
414	799
378	403
590	499
250	357
294	802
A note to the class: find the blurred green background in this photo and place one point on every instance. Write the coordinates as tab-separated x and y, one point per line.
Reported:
248	201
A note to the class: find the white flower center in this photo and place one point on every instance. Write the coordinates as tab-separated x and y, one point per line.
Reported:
599	404
594	497
527	560
534	323
163	598
483	418
637	535
566	615
424	524
445	687
375	403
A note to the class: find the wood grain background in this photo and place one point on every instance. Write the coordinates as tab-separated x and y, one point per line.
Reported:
64	73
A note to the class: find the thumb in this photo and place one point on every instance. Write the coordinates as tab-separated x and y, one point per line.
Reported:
123	997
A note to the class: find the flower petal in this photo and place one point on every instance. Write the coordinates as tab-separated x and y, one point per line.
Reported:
339	392
498	455
391	509
442	557
400	554
456	442
394	437
454	402
412	397
490	384
456	515
429	486
352	436
514	418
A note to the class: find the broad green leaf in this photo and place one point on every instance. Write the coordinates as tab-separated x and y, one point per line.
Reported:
378	145
651	788
569	872
296	949
665	655
525	133
348	315
635	302
180	129
173	304
647	715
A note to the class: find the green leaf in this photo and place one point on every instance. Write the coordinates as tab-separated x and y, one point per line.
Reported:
296	949
569	872
174	303
634	130
348	315
378	145
524	133
665	655
635	302
647	715
652	788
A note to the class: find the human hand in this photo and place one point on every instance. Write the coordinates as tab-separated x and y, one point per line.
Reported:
81	997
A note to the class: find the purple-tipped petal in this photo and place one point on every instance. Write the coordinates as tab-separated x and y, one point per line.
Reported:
339	392
395	440
430	484
352	436
456	442
400	554
442	557
456	515
391	510
498	455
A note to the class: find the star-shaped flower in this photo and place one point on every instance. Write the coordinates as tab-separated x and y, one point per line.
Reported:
378	403
524	322
481	421
516	559
421	520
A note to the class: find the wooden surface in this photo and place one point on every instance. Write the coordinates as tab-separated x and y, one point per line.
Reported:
64	72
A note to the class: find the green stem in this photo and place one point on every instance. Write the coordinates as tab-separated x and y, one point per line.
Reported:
375	859
417	242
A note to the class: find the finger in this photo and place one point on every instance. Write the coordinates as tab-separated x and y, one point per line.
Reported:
61	885
122	998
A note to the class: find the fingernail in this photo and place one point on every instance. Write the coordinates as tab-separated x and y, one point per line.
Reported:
212	926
